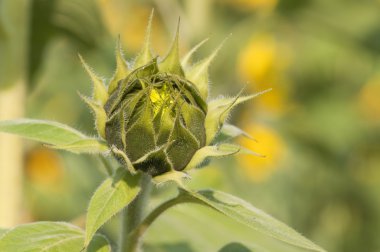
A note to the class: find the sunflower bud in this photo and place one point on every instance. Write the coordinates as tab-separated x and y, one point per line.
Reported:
155	116
157	119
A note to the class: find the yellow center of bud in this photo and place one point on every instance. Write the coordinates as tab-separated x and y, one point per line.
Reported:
160	98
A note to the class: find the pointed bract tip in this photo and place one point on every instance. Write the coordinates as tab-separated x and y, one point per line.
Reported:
99	113
198	73
187	58
122	69
145	54
171	63
100	93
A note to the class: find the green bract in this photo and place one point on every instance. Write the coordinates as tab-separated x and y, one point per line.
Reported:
155	116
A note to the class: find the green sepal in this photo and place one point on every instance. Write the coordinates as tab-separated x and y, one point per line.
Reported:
154	163
100	93
122	70
99	113
185	62
171	176
219	110
147	70
198	73
165	122
221	150
171	63
140	138
247	151
232	131
121	156
194	119
182	145
145	54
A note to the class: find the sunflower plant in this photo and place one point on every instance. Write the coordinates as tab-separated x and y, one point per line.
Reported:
155	117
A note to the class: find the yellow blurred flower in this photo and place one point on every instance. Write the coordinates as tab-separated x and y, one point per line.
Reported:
270	144
263	60
44	167
369	103
129	20
253	4
262	63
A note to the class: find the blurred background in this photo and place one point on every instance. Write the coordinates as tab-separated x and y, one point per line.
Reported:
318	127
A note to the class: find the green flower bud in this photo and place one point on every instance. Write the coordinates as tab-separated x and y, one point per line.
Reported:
156	117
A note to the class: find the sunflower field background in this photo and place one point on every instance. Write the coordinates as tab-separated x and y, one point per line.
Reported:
319	127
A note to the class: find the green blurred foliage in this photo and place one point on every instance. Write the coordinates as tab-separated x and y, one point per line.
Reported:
320	57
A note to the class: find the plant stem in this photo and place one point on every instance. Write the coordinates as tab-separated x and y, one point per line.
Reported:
107	166
132	216
11	157
140	230
14	51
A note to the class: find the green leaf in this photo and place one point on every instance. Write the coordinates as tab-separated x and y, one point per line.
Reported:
49	237
247	214
60	136
43	236
220	150
43	131
85	146
111	197
99	244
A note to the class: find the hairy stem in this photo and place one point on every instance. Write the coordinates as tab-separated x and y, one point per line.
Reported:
140	230
107	166
132	216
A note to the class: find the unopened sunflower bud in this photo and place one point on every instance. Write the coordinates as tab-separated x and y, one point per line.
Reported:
155	117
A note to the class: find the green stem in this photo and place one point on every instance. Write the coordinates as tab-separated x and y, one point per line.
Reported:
132	216
107	165
140	230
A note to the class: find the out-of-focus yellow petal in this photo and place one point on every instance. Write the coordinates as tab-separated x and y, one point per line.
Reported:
253	4
44	167
263	63
257	61
275	102
270	144
369	102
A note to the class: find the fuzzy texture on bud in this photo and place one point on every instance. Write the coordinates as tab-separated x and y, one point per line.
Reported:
156	117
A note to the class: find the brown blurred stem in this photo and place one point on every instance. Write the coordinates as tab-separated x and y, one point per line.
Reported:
11	157
14	27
